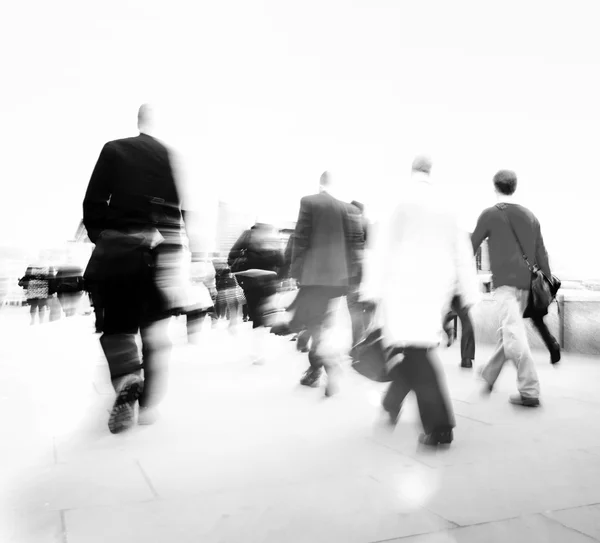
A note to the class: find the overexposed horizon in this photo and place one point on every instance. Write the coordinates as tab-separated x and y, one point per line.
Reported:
258	98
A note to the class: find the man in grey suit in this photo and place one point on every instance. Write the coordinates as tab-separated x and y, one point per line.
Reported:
327	264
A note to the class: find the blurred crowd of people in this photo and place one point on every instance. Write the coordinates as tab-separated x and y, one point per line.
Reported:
407	276
43	284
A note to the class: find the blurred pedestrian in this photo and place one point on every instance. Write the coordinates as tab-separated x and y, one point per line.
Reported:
37	283
514	234
467	339
68	285
327	264
230	297
421	260
132	213
256	259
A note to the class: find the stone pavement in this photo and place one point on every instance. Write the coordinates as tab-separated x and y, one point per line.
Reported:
242	453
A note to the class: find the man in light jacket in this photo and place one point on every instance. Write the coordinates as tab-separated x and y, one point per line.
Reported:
421	260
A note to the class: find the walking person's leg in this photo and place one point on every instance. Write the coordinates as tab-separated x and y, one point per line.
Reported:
235	312
426	378
332	356
467	339
549	340
517	349
193	322
491	371
313	374
122	316
355	309
33	307
256	291
156	349
449	328
314	311
303	341
398	388
44	308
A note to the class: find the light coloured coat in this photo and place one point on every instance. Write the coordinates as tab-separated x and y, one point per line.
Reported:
419	260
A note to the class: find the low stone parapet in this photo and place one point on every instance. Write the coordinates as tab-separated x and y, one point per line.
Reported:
574	320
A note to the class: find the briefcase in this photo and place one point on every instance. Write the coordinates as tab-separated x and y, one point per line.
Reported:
370	357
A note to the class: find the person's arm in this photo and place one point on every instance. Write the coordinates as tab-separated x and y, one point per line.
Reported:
356	245
97	196
182	200
302	235
481	232
467	283
541	255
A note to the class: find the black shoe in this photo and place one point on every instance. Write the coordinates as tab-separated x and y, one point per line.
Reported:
466	363
436	438
555	353
122	415
311	377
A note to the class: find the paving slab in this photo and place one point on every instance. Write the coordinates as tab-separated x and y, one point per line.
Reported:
243	453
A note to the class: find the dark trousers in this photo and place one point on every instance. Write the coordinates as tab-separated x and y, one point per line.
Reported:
547	337
96	302
319	320
131	306
419	371
467	339
256	290
358	316
194	320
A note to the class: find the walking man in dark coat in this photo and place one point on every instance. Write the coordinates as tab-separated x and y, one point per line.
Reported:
132	212
327	264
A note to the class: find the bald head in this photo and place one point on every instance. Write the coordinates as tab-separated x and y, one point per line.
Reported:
326	181
145	118
422	163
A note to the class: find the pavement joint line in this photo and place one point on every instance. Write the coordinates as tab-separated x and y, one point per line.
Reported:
547	511
147	479
556	521
474	420
456	527
454	524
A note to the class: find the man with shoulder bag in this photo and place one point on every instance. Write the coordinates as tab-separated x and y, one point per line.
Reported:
522	280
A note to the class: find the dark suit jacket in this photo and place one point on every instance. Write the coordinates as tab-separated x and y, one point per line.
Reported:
133	186
328	243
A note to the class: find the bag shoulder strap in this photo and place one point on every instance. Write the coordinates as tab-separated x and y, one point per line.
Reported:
502	208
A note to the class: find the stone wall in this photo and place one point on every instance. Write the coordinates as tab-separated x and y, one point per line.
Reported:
574	321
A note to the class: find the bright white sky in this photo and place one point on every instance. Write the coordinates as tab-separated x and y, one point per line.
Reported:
260	97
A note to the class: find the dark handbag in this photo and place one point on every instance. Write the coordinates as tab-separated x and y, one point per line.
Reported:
119	255
370	358
543	289
69	285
